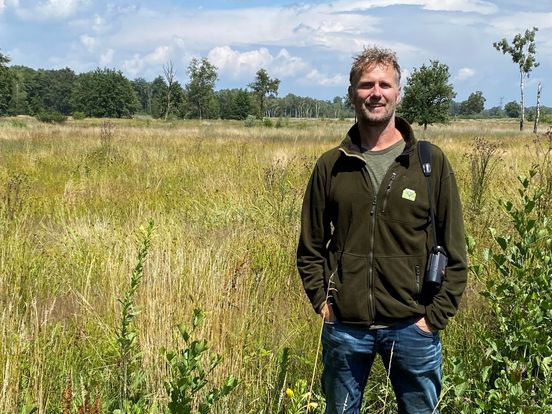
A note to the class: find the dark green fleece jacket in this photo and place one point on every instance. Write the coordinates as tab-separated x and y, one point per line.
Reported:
367	252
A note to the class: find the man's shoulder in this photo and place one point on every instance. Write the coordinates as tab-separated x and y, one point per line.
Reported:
439	160
437	152
328	158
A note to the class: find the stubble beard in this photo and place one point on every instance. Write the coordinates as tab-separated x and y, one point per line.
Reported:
366	117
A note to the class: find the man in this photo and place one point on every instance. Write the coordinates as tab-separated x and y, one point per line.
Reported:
364	244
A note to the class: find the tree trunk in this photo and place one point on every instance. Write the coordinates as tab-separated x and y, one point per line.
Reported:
522	113
168	104
537	110
170	76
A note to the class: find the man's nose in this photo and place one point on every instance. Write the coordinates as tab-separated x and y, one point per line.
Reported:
376	92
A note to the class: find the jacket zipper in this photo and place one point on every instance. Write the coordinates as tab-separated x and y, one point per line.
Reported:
387	191
372	305
418	290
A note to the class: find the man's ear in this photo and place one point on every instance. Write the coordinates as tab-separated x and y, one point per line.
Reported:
350	92
399	96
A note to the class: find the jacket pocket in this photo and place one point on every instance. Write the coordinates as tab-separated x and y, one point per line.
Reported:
397	284
350	293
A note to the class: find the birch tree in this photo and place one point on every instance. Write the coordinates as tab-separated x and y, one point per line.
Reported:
170	77
522	50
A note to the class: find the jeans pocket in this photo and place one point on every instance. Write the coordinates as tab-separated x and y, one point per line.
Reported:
424	333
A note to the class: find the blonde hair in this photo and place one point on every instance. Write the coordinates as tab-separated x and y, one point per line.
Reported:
373	56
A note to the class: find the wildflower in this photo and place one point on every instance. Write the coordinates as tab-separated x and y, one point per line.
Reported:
312	405
289	392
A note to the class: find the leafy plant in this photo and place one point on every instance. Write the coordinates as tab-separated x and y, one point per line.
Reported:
298	400
51	117
515	374
250	121
131	373
542	147
16	192
482	162
189	370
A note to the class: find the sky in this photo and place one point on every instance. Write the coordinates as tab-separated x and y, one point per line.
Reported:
308	45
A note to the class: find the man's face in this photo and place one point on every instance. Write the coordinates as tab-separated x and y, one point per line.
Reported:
375	94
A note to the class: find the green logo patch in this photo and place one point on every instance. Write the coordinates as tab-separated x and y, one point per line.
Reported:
409	194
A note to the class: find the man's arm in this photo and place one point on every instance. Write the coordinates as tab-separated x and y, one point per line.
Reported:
450	228
315	232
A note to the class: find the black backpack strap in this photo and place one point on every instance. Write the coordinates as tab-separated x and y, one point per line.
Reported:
424	154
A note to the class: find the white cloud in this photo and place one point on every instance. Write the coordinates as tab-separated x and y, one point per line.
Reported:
99	23
205	29
341	26
137	63
107	57
283	65
464	73
286	65
317	78
51	9
5	3
475	6
236	64
159	56
88	41
133	66
518	22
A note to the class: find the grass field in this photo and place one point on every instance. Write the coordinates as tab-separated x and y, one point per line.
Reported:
225	202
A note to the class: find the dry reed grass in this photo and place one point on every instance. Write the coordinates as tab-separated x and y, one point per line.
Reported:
225	200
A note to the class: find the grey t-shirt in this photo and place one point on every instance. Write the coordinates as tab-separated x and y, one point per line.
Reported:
378	162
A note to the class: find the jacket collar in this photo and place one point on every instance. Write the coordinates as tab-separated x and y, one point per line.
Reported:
350	146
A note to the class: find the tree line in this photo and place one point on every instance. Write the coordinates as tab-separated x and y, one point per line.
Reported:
428	96
106	92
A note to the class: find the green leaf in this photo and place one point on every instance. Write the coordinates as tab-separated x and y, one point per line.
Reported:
183	332
197	317
502	242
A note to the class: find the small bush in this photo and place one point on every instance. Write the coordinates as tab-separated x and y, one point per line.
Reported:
483	158
189	372
78	116
18	123
51	117
516	368
282	122
250	121
267	122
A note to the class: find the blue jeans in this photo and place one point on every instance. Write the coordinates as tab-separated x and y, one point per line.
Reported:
415	372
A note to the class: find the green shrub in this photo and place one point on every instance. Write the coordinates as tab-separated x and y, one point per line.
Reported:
189	371
78	115
51	117
250	121
129	367
282	122
267	122
515	373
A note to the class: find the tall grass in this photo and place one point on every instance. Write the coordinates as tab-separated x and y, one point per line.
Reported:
226	202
